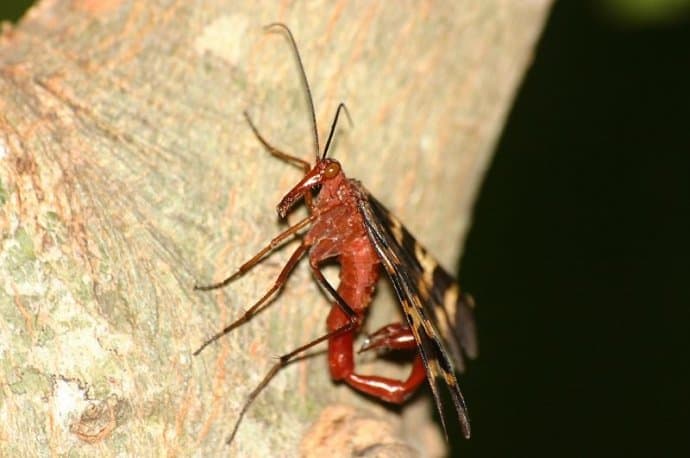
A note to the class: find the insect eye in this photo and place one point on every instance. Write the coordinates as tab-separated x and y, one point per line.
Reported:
332	170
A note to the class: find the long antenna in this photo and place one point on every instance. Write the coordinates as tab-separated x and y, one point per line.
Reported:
285	28
341	106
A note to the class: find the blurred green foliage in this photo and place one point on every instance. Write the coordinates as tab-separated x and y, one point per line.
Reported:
643	12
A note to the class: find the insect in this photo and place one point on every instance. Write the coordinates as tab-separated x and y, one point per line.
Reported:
348	224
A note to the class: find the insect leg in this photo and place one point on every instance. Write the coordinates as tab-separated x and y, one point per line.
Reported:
257	307
281	155
257	257
352	324
275	151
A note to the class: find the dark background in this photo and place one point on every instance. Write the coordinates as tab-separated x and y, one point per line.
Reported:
579	255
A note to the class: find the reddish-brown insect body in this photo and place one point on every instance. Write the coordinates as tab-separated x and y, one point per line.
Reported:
348	225
338	232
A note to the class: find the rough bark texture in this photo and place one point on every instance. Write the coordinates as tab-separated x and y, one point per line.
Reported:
127	173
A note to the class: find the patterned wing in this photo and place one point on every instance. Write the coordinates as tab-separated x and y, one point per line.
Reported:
431	301
450	310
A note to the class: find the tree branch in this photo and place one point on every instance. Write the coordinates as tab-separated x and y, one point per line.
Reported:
128	174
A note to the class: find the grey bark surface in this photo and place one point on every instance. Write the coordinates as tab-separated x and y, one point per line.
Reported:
127	174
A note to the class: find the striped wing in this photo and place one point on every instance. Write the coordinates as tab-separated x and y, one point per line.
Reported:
436	312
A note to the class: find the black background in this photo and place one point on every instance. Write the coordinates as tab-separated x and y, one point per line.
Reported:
579	255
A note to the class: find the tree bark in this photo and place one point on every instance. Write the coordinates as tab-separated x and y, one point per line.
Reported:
128	174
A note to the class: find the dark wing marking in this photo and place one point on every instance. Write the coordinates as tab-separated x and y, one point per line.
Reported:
450	310
414	295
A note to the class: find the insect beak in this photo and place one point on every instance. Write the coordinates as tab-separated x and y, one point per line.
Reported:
313	178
